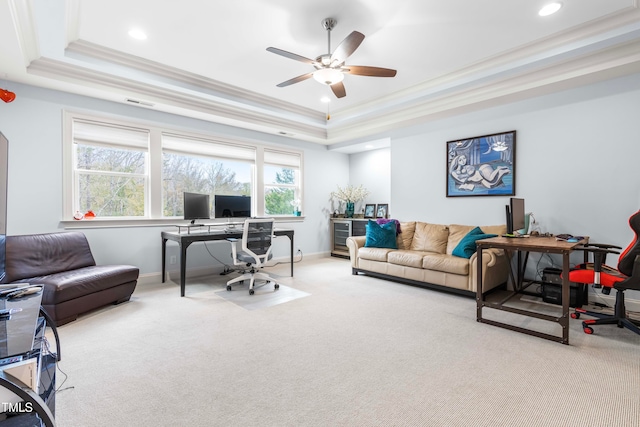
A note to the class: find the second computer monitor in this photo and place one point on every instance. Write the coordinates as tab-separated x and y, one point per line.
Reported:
517	214
232	206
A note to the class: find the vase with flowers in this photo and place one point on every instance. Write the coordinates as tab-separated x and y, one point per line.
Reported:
350	195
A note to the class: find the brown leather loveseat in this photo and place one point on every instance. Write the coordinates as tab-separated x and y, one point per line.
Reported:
63	263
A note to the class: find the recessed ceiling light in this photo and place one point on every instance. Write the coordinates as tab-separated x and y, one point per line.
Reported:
137	34
550	9
325	99
369	146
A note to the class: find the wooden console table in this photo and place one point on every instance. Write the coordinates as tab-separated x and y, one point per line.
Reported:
526	245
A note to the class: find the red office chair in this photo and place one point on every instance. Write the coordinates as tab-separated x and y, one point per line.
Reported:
627	276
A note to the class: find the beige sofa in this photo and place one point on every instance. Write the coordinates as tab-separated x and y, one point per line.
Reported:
424	257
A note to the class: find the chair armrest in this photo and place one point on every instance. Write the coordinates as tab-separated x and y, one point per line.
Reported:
599	251
234	249
599	245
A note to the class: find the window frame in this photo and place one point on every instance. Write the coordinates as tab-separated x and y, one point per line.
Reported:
153	199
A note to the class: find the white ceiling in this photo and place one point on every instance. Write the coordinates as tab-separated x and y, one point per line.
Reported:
207	58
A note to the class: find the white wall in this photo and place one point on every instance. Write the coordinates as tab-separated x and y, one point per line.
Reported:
33	126
372	169
577	164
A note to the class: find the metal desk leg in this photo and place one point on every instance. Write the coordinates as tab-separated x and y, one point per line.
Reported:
291	252
183	266
164	259
564	320
479	296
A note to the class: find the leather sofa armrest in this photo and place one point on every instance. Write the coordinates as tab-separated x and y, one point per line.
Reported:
495	269
354	243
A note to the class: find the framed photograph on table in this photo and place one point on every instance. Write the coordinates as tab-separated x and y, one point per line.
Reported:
382	210
369	211
482	165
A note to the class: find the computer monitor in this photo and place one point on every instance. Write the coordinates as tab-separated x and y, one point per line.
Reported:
196	206
516	217
232	206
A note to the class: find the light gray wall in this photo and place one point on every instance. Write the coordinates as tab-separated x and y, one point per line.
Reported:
33	126
577	163
577	156
372	169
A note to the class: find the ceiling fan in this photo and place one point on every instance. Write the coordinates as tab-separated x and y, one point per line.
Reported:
330	67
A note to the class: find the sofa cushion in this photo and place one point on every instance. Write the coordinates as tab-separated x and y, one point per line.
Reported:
41	254
457	232
67	285
407	258
374	254
430	238
381	235
405	237
467	245
446	264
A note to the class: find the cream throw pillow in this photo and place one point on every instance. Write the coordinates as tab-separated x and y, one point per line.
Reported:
430	238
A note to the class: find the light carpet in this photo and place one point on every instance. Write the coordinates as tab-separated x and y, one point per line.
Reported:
357	351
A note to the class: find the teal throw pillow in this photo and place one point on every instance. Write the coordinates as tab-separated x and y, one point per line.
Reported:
381	236
467	245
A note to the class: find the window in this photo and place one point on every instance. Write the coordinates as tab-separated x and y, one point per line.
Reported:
203	166
122	170
111	169
281	182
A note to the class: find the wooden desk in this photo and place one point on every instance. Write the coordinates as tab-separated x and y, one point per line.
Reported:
185	239
528	244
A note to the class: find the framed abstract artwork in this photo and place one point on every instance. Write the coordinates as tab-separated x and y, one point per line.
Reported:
482	165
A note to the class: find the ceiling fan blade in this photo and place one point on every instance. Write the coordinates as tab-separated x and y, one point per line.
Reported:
347	47
338	90
362	70
296	80
291	55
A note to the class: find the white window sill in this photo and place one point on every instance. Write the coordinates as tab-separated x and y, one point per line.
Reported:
146	222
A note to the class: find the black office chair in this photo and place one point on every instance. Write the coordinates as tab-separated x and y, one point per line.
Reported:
597	273
257	239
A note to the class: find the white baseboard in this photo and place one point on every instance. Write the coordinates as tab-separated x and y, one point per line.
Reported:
174	273
631	304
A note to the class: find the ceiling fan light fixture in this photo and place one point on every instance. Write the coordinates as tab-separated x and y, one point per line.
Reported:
328	76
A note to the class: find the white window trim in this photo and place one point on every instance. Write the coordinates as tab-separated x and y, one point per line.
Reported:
153	206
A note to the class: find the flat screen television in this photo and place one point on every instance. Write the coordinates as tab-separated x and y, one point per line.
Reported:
515	216
196	206
232	206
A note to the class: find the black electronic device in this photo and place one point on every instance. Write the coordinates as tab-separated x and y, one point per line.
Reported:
4	167
552	289
517	214
232	206
196	206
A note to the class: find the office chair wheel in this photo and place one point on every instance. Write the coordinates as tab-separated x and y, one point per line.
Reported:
575	315
250	291
276	286
587	329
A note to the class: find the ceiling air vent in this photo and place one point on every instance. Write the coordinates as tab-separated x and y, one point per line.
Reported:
137	102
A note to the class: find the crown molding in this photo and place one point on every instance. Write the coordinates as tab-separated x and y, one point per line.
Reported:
180	78
603	48
211	108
